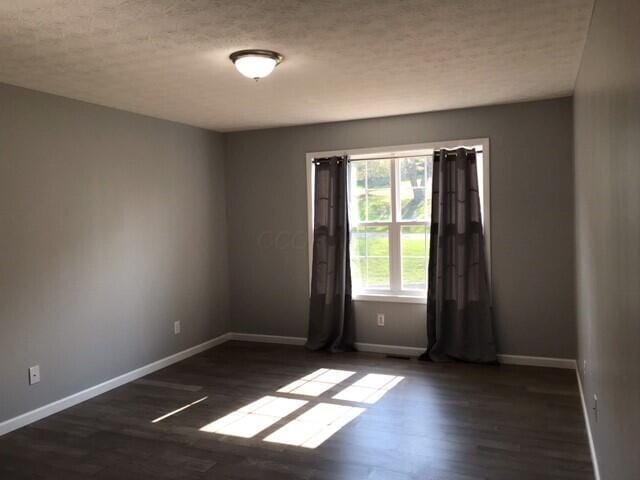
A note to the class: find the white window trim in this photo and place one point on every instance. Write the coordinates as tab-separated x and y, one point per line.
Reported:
484	182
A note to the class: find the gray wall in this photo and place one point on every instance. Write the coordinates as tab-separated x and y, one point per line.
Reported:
607	166
531	214
112	226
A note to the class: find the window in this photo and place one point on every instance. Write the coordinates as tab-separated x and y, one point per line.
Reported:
390	216
390	206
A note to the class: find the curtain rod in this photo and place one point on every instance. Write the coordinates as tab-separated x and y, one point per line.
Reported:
387	157
406	156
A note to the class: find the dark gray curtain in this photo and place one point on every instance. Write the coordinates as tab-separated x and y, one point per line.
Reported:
331	324
459	319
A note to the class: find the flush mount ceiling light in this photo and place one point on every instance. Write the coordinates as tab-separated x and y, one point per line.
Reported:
255	64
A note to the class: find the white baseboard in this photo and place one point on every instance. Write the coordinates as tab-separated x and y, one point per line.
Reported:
255	337
362	347
389	349
592	446
568	363
66	402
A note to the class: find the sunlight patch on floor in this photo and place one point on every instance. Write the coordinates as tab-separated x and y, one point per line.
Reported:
255	417
177	410
316	383
315	426
369	389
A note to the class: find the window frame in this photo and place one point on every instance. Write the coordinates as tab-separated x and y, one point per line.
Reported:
395	153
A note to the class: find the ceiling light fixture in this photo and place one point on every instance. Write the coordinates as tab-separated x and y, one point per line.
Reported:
255	64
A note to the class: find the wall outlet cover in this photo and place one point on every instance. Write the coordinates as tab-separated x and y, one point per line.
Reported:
177	327
381	319
34	374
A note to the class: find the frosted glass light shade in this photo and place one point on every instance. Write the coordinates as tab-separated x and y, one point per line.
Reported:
255	64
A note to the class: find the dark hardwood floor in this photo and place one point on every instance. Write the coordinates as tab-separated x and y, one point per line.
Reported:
442	421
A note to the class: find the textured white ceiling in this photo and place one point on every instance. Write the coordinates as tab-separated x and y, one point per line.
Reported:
344	59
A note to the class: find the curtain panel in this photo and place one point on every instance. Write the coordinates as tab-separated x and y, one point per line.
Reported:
459	316
331	321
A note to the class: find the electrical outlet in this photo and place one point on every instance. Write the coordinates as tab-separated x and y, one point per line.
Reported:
176	327
381	319
595	406
34	374
584	368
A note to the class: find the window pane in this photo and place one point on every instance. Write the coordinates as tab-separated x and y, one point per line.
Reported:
358	242
358	256
377	272
371	190
358	201
415	188
370	257
415	250
378	190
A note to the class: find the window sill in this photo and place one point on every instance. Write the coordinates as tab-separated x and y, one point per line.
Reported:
389	298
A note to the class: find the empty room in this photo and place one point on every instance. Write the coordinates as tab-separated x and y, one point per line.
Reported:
320	239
